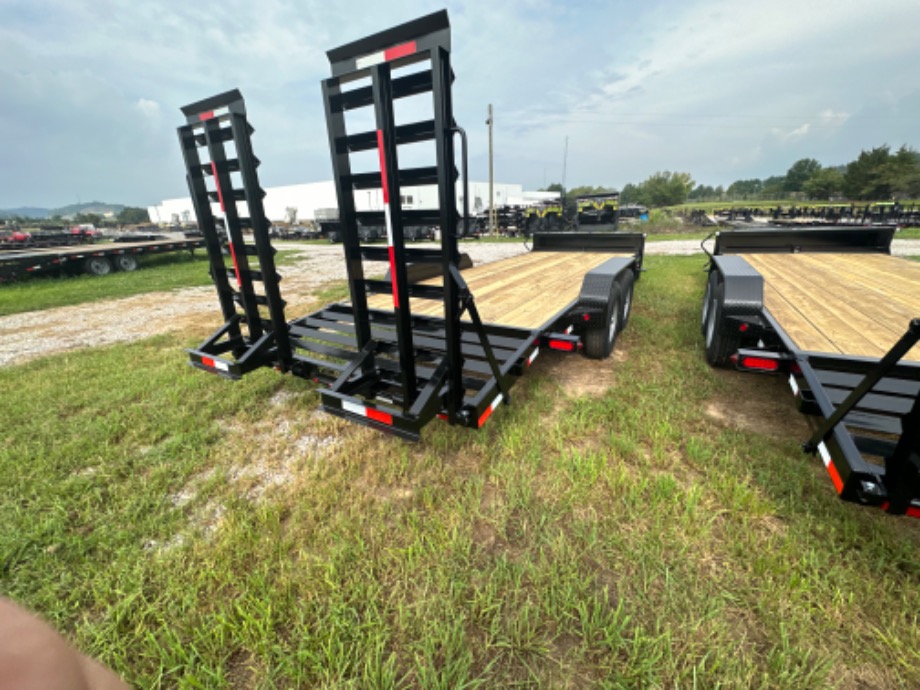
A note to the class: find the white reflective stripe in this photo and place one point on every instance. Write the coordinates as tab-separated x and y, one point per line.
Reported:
496	402
370	60
221	111
793	385
223	366
825	455
568	331
354	409
389	223
533	356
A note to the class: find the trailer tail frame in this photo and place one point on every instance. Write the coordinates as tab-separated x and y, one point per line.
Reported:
864	411
396	368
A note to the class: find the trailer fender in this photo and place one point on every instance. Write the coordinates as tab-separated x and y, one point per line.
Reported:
601	290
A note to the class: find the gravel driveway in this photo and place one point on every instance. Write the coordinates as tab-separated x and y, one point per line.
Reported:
35	334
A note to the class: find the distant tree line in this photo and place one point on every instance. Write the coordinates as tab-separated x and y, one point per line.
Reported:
877	174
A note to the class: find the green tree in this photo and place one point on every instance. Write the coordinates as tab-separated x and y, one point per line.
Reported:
132	215
902	173
630	194
824	184
865	177
667	188
773	187
800	172
745	189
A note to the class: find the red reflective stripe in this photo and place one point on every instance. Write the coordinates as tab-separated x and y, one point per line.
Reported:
208	362
236	268
206	116
383	167
399	51
564	345
485	416
835	476
393	279
220	194
379	416
762	363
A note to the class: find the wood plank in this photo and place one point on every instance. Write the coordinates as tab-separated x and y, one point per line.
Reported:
524	291
856	304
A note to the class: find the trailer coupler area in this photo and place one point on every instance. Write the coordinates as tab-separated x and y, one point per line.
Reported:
866	419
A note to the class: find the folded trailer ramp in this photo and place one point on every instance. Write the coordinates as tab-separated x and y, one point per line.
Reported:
412	345
836	313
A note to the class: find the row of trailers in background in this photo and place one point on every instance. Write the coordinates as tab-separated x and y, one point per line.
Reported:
591	212
881	213
595	212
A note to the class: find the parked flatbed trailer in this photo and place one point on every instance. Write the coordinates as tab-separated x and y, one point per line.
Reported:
429	339
833	310
96	259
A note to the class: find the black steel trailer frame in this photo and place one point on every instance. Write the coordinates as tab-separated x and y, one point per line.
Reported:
391	370
93	259
864	412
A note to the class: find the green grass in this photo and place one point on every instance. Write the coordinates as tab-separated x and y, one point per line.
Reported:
642	522
154	274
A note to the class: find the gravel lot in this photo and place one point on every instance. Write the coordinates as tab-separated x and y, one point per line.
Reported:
35	334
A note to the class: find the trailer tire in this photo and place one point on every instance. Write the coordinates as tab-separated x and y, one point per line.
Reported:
626	286
707	298
97	266
719	347
126	262
599	340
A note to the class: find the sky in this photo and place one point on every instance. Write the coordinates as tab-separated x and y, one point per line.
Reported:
90	91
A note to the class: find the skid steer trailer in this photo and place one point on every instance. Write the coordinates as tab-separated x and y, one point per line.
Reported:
835	312
415	344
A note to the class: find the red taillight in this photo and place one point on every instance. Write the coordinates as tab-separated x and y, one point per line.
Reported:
208	362
564	345
587	317
758	363
743	328
913	512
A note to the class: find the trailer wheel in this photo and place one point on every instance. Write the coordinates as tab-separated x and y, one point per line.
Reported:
719	347
600	339
97	266
627	285
126	262
707	298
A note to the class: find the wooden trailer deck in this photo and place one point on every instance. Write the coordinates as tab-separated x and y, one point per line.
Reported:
854	304
524	291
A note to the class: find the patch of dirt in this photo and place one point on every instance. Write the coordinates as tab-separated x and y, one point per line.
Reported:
760	404
581	377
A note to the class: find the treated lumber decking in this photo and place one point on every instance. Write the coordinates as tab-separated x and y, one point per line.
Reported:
524	291
854	304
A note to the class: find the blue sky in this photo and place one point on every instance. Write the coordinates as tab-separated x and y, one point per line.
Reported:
90	91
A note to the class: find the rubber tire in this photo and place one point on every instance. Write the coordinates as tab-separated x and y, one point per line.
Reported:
719	347
126	263
97	266
627	283
599	341
710	286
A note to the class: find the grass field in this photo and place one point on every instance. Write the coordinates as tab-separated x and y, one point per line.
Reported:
155	274
641	522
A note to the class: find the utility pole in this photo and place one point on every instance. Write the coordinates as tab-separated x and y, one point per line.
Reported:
491	176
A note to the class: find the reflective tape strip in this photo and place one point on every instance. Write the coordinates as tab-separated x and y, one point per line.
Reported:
368	412
533	355
211	114
388	218
220	194
568	331
387	55
829	465
793	385
490	409
215	364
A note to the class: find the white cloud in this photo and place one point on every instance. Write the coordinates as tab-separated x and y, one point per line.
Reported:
148	108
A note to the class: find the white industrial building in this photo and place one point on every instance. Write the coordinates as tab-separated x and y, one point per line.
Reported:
307	198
